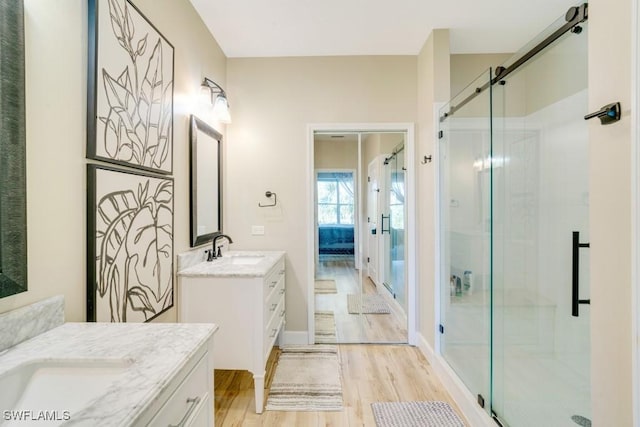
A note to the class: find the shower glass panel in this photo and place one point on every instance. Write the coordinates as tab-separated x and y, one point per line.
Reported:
393	224
514	197
465	187
540	198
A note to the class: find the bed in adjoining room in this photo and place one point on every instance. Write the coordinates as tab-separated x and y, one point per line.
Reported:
335	241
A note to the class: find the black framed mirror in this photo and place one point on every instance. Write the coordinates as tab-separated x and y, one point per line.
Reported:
206	182
13	167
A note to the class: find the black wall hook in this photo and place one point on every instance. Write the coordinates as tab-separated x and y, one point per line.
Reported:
608	114
426	159
268	195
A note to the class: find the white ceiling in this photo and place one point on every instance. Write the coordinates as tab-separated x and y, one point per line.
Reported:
258	28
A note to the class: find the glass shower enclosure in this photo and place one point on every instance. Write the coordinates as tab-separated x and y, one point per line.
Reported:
393	226
514	234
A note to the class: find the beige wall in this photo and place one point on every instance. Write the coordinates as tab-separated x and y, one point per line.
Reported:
273	101
335	154
433	86
556	75
56	70
545	80
378	143
465	68
610	214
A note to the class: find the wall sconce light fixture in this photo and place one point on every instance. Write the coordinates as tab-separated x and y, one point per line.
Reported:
220	103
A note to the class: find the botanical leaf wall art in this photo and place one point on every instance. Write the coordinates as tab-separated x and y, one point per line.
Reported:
130	106
130	245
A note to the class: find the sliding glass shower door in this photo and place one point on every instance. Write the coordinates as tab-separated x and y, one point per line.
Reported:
393	226
515	238
540	198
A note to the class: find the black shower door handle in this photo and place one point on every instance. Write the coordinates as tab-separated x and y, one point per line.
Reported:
382	230
575	276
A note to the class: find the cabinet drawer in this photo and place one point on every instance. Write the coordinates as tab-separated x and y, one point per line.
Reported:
185	404
201	414
273	277
277	294
272	329
270	342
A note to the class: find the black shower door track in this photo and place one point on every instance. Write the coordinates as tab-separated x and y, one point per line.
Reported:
574	16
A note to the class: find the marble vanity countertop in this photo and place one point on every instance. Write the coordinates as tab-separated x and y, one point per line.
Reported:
155	353
231	265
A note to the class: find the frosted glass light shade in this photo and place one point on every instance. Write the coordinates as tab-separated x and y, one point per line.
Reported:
221	109
205	98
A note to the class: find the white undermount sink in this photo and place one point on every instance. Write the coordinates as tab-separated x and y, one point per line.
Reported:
246	259
57	385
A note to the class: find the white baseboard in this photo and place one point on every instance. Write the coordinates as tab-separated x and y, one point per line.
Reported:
294	338
475	415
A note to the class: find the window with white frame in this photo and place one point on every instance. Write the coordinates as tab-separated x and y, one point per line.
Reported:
335	198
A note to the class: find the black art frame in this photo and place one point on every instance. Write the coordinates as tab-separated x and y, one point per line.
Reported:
13	166
130	95
130	227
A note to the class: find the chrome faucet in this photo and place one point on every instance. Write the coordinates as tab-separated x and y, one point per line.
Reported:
213	254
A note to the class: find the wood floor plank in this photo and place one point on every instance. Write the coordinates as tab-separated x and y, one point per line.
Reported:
357	328
370	373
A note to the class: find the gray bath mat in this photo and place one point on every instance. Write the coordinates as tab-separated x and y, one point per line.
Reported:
371	304
413	414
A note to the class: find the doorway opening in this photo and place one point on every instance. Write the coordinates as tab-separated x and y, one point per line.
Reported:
362	273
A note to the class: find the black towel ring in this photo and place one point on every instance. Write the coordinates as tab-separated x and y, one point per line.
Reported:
268	195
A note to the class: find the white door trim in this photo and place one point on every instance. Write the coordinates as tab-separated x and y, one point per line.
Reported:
409	129
371	240
635	208
359	222
438	224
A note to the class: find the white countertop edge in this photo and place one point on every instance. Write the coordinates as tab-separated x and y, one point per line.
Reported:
224	268
158	391
130	410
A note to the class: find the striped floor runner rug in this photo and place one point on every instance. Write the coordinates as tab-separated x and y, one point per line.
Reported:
307	378
325	325
325	286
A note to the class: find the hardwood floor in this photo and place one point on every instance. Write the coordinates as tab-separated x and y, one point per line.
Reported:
370	373
357	328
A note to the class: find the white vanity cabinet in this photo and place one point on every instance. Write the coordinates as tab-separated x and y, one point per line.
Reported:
247	302
188	400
